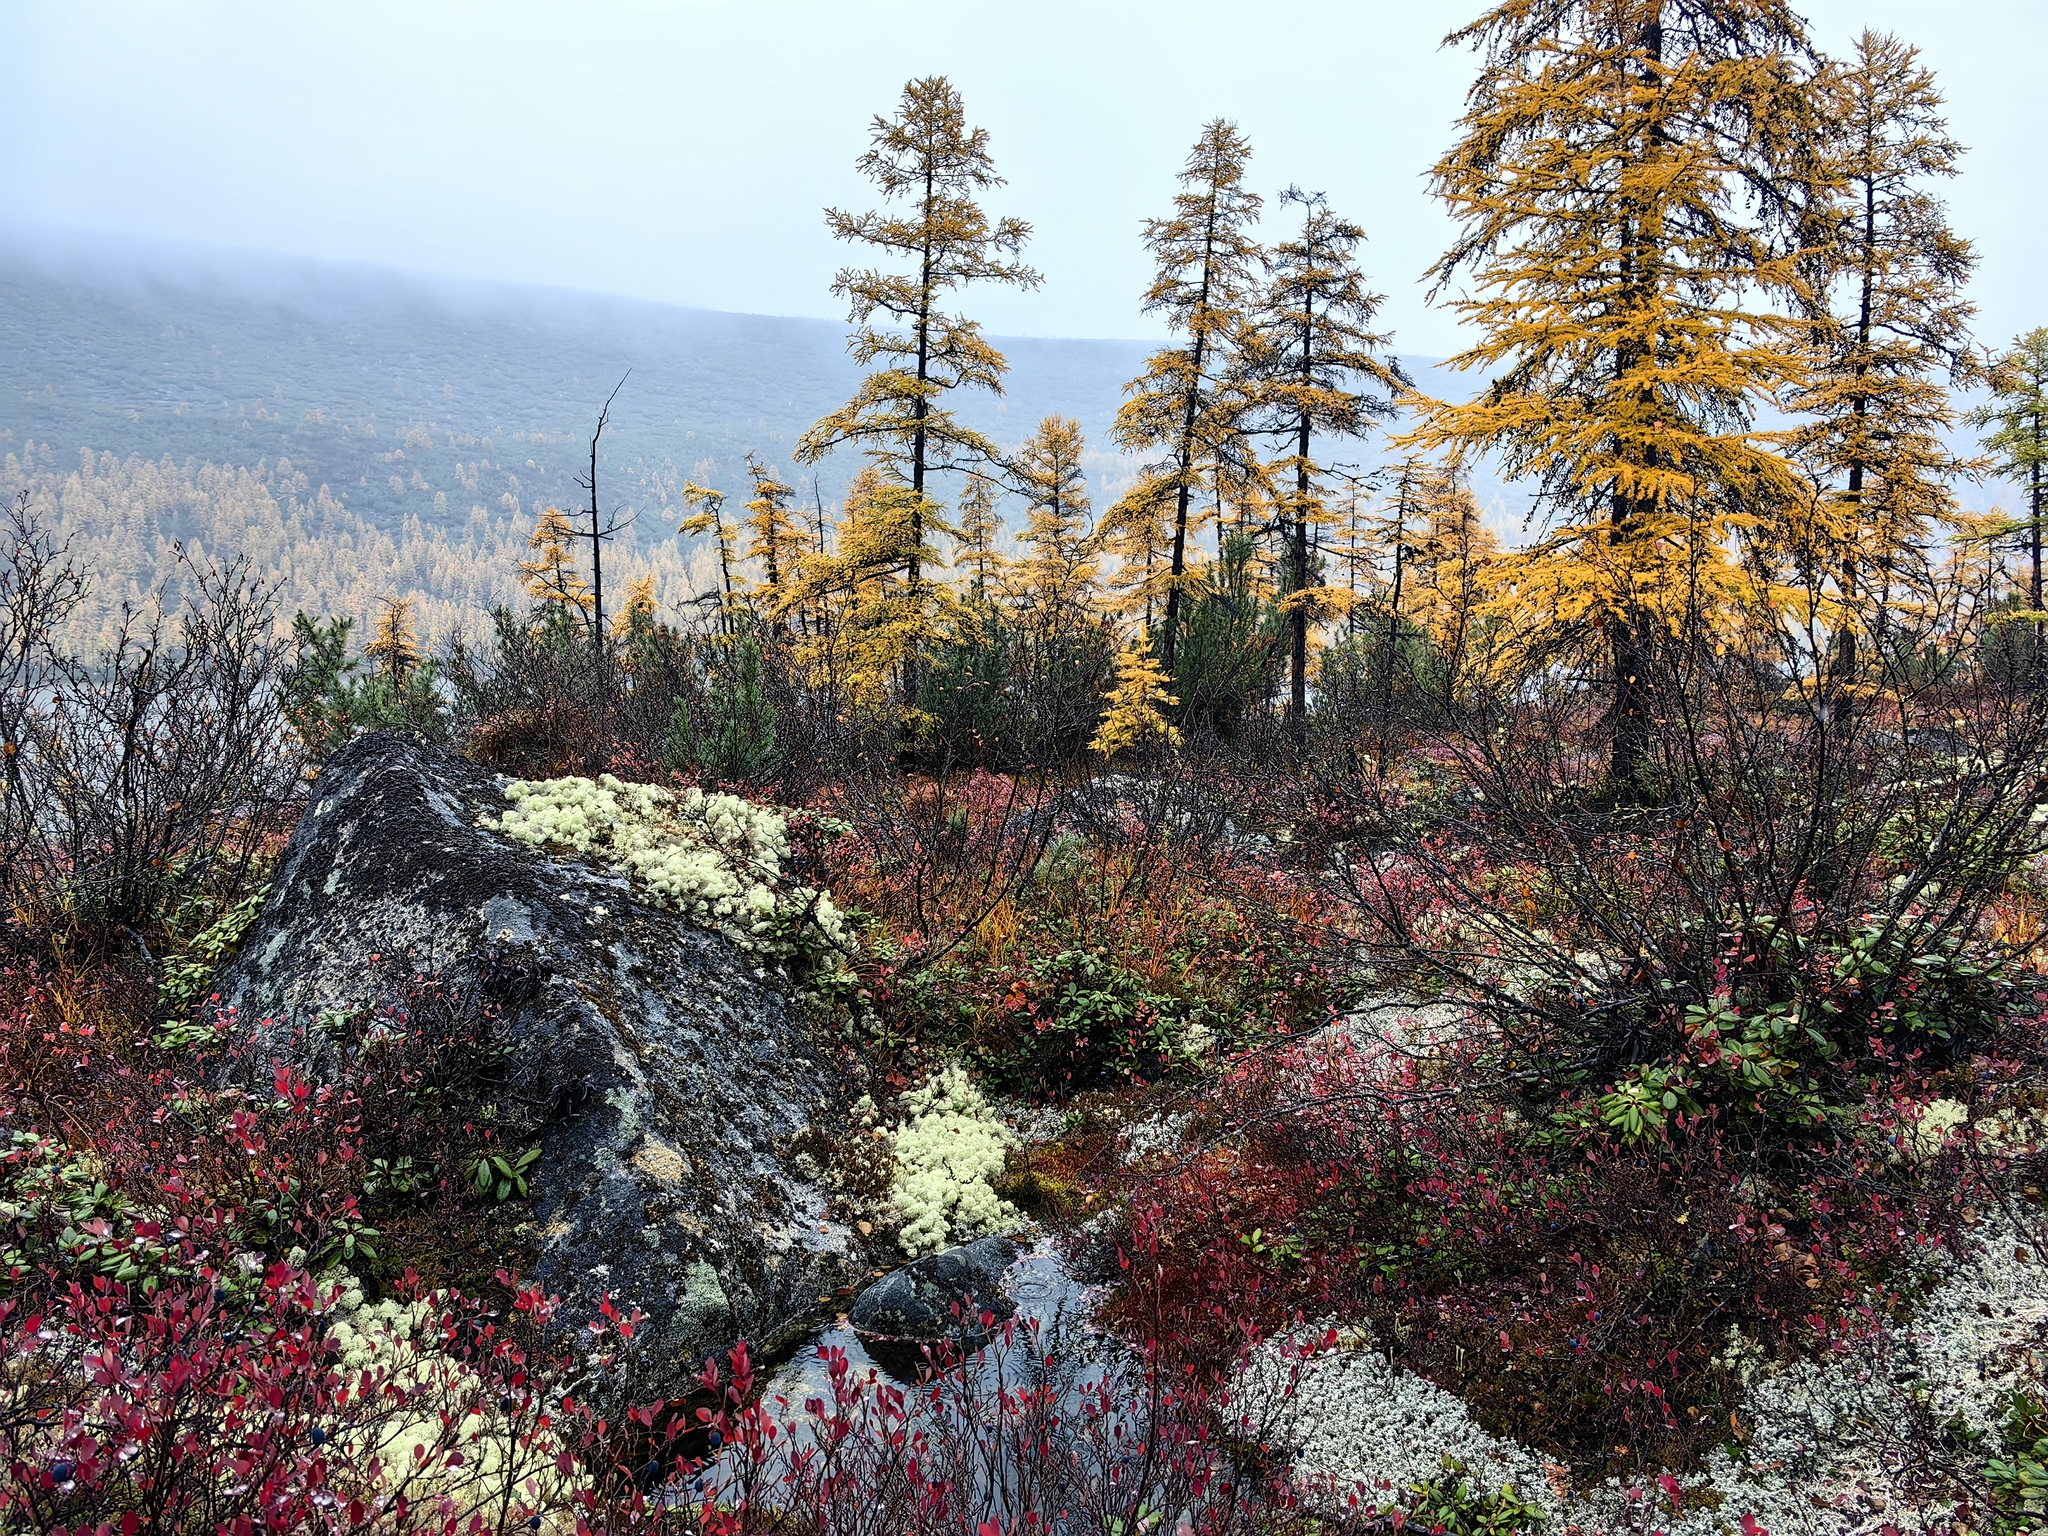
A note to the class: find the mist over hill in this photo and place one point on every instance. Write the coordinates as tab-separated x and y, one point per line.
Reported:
394	390
366	433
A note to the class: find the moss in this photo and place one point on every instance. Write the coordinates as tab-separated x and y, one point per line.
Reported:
1038	1192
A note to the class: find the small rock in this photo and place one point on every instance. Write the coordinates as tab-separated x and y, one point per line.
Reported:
913	1308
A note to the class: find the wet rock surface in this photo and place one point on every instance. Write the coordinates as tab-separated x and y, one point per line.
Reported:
663	1073
915	1306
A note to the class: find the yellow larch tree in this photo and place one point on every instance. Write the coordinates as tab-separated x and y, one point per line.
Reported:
551	577
777	546
1323	381
1891	333
1190	403
1626	180
1355	544
2017	416
916	351
395	644
880	622
1134	714
1053	584
709	517
1139	536
977	541
1454	557
636	614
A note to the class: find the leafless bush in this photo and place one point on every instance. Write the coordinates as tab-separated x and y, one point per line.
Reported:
39	587
152	773
1795	836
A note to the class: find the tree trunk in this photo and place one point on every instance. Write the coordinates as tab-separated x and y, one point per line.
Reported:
1391	648
597	639
1844	667
1630	721
1627	629
1297	693
1187	443
2034	540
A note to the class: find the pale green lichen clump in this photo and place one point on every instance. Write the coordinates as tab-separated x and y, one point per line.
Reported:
950	1148
716	859
438	1431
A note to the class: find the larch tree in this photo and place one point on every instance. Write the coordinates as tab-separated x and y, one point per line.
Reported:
1453	556
977	548
1192	398
1053	584
778	545
1626	182
1134	713
709	517
394	644
2017	418
916	350
1431	557
1355	545
1323	381
880	621
550	575
1140	540
1891	328
636	615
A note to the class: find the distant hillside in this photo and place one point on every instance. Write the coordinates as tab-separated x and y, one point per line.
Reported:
368	433
365	433
394	392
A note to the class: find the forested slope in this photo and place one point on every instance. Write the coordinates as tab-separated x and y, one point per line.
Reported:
364	434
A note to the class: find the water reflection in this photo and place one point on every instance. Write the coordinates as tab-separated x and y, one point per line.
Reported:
1054	1318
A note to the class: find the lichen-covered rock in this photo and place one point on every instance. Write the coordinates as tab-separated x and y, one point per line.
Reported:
940	1298
668	1070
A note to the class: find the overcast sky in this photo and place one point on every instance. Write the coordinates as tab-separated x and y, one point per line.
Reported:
681	150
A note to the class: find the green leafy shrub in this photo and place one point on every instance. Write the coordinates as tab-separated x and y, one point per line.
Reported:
1093	1021
1451	1505
328	700
500	1176
186	974
732	739
2019	1478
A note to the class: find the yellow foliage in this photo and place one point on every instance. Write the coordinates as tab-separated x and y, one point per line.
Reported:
395	644
975	552
1622	301
710	518
637	613
1054	585
778	544
551	576
930	157
885	609
1191	401
1133	716
1889	335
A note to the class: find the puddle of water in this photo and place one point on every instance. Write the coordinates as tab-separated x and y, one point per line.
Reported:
1060	1372
1046	1295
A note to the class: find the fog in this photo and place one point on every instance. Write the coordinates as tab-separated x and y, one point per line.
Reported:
681	150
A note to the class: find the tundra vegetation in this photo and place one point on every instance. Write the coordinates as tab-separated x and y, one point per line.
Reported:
1572	991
